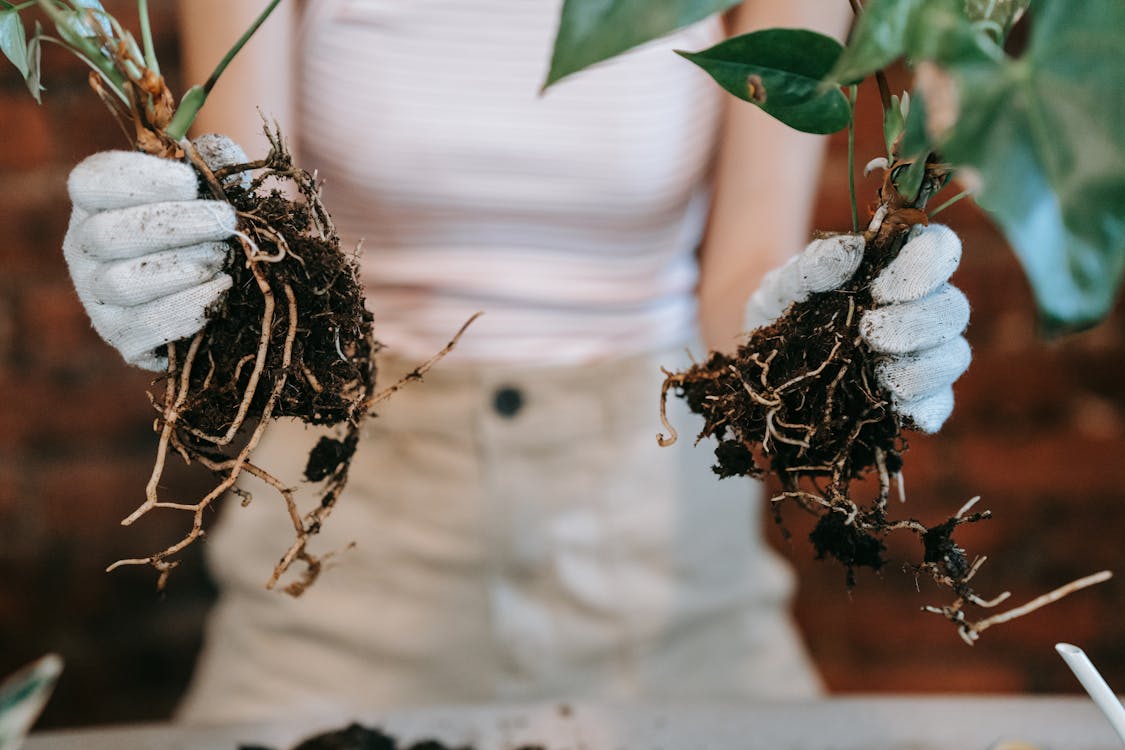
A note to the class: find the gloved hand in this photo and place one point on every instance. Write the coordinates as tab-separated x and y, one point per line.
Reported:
916	325
145	252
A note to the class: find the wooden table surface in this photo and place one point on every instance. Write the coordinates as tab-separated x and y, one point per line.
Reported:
958	722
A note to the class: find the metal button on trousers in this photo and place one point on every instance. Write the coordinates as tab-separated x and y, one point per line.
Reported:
507	401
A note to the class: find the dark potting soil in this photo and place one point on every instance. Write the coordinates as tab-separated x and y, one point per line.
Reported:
800	401
358	737
331	366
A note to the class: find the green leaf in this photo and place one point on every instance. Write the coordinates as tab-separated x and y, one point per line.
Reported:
915	141
74	29
878	39
781	71
76	35
34	49
1044	133
940	31
913	147
893	124
92	9
909	180
821	116
13	40
594	30
918	29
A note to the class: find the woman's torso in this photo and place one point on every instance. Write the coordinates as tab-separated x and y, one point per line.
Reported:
570	217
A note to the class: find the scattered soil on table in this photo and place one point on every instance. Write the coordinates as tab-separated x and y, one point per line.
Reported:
359	737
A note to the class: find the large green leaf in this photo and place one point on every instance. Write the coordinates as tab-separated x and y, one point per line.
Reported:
919	29
13	40
781	71
34	64
1045	134
940	30
878	39
594	30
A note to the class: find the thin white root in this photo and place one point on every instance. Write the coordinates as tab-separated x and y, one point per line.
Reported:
233	467
259	360
418	372
661	439
879	162
173	402
884	476
967	507
970	632
827	360
877	219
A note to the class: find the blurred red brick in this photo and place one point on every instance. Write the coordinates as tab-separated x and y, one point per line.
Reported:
63	416
35	222
76	444
1013	466
99	132
25	140
934	676
53	324
89	495
11	477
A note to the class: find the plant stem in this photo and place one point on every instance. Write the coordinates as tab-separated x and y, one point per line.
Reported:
210	84
146	38
853	93
196	96
884	90
186	113
880	76
963	194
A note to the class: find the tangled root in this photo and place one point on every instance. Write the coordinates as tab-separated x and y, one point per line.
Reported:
290	339
799	401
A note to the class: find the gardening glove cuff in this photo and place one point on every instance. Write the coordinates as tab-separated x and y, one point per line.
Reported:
823	265
145	253
917	327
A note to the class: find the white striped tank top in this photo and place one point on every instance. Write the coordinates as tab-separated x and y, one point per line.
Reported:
570	218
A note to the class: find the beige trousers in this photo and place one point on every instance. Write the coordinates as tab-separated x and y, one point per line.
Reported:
518	535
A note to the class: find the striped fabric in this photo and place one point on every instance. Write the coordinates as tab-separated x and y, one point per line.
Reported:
570	218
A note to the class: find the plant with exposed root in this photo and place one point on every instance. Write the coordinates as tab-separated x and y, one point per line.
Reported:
800	400
291	338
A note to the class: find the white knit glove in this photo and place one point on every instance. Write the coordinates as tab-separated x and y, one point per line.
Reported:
916	325
145	253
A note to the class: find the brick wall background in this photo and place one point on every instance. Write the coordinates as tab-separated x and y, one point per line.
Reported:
76	442
1039	432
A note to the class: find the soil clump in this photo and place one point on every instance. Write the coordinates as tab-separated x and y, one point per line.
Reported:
799	403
